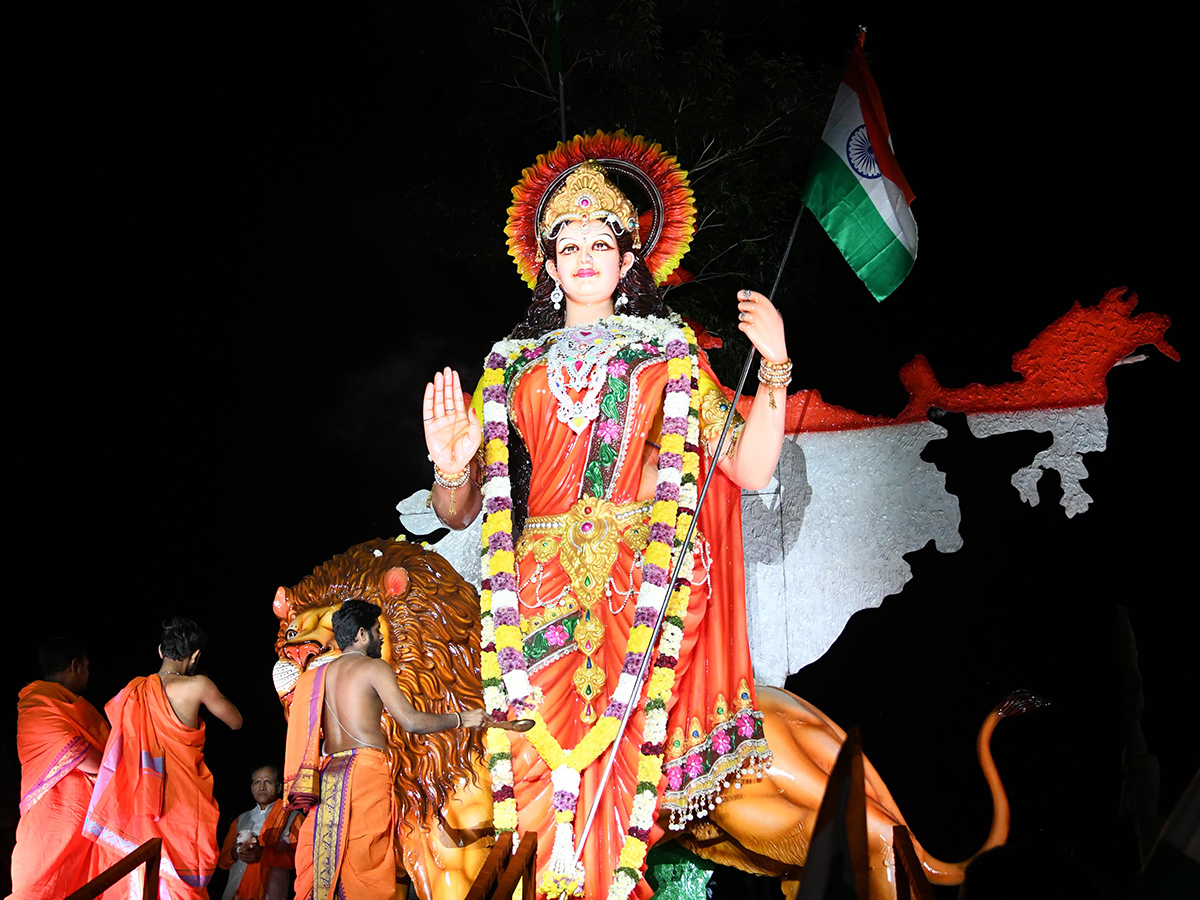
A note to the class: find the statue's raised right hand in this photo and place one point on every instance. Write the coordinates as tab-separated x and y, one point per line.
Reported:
452	431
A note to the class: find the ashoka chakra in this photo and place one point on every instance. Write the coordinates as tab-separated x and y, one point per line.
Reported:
860	155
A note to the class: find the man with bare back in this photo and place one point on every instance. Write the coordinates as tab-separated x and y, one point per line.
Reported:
348	840
153	781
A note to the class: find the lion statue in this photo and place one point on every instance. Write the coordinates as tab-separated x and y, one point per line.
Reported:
443	792
431	639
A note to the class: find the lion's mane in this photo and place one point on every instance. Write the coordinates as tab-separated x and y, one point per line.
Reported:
433	642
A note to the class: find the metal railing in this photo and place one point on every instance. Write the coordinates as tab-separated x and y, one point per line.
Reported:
149	853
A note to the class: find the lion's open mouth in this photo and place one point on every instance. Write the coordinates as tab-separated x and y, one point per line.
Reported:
297	660
285	675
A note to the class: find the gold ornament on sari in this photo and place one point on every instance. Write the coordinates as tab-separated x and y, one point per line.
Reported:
585	538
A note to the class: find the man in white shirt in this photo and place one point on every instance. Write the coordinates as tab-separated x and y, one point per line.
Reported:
260	848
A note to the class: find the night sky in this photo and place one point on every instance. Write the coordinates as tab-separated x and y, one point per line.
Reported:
245	239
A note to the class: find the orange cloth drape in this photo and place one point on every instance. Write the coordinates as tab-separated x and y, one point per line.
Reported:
302	752
154	782
348	841
713	660
56	731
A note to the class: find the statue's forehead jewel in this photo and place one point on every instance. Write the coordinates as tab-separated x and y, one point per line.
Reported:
587	195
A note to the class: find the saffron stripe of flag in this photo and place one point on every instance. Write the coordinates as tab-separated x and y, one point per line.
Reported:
856	189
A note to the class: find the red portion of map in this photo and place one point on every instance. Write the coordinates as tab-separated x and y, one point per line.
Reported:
1064	366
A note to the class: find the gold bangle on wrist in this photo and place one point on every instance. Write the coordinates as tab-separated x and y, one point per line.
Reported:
450	482
773	375
448	479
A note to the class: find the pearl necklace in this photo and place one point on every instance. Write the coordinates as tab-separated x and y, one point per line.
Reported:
578	360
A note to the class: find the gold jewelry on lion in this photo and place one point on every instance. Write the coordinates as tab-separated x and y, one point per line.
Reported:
773	375
588	196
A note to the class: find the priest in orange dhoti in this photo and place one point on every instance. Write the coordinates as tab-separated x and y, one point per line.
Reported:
347	843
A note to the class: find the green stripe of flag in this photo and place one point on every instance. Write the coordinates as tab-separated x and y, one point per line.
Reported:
843	208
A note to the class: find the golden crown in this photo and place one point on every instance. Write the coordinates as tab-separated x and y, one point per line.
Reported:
586	196
671	217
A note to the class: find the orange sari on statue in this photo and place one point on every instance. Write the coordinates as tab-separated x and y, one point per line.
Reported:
577	609
56	731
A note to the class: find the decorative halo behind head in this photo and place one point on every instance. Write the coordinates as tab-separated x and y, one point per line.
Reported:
551	191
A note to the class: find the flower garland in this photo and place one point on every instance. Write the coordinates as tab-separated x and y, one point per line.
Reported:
686	447
505	678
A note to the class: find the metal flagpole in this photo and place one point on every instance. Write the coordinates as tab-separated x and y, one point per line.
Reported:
685	549
556	61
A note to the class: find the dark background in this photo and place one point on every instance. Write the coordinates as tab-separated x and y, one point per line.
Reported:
244	238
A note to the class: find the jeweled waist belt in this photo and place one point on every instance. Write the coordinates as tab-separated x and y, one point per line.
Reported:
586	538
588	521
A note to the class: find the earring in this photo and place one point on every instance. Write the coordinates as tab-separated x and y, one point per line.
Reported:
622	301
556	295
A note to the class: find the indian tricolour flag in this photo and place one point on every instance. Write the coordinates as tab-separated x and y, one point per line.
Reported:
856	188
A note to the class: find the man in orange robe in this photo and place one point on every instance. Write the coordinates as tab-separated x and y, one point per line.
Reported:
60	737
347	843
153	781
260	868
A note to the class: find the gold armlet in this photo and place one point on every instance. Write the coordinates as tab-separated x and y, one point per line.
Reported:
714	407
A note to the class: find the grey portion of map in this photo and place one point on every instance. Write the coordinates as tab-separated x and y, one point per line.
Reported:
459	548
827	537
1077	430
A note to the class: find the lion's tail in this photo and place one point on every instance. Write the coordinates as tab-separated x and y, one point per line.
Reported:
1015	704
